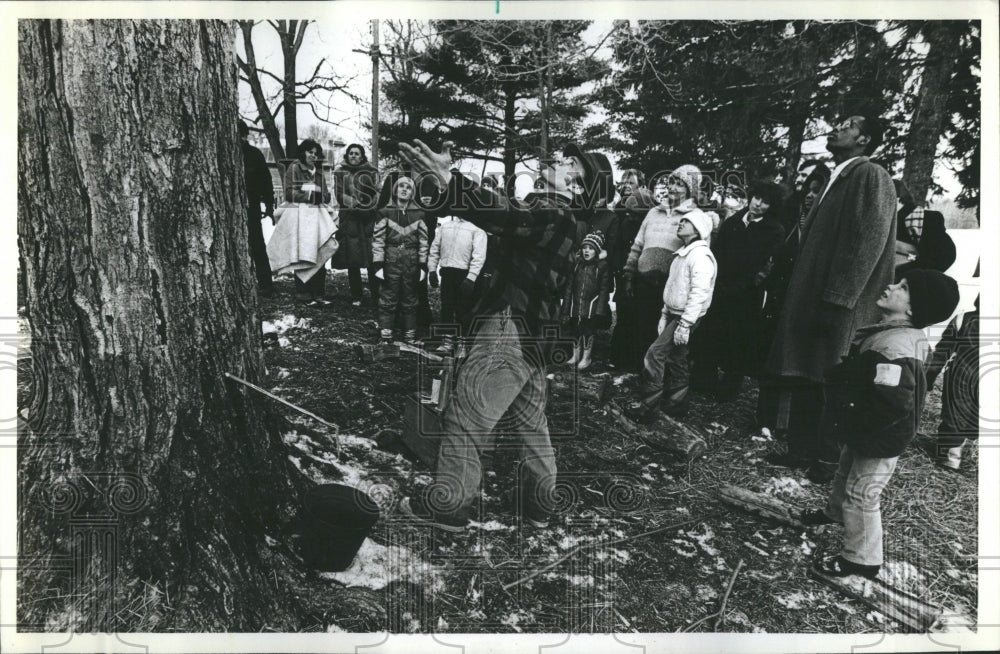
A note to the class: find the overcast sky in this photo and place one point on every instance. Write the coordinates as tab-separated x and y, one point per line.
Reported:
335	40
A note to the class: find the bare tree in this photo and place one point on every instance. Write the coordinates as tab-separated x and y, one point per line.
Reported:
322	83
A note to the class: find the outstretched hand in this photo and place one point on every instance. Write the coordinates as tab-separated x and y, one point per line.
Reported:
424	161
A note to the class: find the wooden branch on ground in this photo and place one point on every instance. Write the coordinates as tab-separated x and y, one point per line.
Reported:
762	505
718	615
664	434
570	384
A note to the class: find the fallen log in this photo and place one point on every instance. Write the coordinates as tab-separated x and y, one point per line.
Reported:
664	433
592	390
762	505
914	613
370	353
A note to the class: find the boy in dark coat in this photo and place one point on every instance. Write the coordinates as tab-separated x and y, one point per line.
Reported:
586	301
873	401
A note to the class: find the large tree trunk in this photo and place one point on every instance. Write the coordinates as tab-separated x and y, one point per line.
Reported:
142	472
928	120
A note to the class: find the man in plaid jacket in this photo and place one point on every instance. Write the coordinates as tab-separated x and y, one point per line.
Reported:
516	320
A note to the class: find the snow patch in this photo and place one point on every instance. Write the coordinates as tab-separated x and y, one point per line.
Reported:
375	566
703	539
796	600
283	324
492	525
785	486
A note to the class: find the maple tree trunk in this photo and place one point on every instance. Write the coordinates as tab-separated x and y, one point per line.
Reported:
142	471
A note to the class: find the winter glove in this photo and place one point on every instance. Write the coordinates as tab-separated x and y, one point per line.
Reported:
682	334
434	279
661	325
467	287
379	272
629	286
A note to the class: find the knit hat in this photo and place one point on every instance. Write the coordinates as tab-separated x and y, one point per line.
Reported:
933	296
691	177
702	222
595	240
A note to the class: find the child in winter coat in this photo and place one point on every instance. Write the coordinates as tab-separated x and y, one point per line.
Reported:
686	298
874	397
459	247
399	257
586	299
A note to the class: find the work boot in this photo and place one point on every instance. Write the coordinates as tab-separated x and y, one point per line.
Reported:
462	351
585	361
838	566
410	337
386	335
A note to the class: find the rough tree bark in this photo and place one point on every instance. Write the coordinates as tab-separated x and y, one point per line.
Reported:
927	126
140	295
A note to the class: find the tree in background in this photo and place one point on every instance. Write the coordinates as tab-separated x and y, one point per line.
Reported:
516	85
318	91
946	105
745	95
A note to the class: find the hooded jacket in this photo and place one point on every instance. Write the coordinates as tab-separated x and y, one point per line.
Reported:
587	292
688	291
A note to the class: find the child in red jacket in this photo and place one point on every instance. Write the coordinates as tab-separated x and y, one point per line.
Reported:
874	397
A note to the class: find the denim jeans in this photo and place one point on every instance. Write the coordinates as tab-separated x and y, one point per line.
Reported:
666	356
854	500
495	382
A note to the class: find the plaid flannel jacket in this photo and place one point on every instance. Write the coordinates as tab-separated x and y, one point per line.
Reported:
537	251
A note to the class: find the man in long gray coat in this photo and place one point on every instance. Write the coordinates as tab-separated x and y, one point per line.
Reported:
845	261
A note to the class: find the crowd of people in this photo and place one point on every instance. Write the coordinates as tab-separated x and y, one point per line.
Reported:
819	293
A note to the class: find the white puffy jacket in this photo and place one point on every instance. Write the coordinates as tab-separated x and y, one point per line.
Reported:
688	291
458	244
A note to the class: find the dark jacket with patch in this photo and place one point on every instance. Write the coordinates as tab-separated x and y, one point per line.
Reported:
876	393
